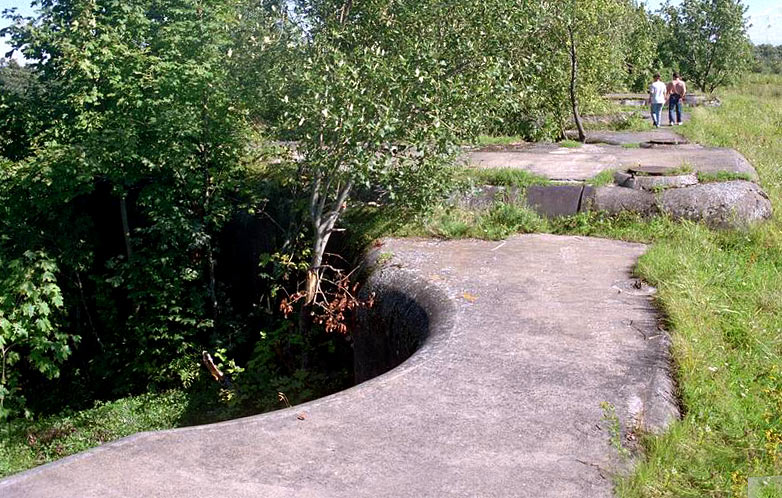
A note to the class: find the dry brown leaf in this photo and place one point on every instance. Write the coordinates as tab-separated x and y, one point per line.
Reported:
469	297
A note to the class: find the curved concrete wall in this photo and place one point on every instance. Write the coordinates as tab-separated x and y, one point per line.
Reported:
407	311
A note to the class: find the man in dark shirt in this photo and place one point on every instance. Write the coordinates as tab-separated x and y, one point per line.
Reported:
676	91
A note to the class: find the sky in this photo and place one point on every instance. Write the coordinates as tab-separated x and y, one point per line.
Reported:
764	15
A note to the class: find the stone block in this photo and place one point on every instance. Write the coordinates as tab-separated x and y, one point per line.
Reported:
555	200
623	179
731	204
617	199
664	182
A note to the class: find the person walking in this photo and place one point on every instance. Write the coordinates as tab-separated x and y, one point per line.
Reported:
657	93
676	91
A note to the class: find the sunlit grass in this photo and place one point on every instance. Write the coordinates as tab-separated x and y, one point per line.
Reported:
25	444
605	177
570	144
506	177
722	295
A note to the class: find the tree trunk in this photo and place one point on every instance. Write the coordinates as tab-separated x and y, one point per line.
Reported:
123	211
323	226
573	81
345	11
212	286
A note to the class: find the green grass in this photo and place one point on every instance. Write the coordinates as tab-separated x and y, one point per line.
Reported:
768	488
506	177
722	295
723	176
494	223
684	168
631	146
25	444
503	219
570	144
605	177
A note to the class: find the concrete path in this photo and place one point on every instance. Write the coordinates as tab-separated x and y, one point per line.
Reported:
662	136
692	99
527	338
581	163
615	119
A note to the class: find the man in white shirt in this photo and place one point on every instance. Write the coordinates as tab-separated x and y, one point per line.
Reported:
657	91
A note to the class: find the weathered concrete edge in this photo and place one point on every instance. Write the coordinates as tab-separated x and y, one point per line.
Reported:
660	402
664	406
442	313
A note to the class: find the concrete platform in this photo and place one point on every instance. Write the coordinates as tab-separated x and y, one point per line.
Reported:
657	136
615	119
582	163
639	99
527	338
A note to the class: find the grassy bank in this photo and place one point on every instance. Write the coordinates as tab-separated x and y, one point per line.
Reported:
722	294
26	444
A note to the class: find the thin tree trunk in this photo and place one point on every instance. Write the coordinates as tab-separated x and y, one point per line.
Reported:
323	228
573	81
123	210
87	309
345	11
2	376
712	49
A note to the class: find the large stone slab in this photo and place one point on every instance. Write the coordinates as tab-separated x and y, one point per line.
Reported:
655	183
733	204
485	196
615	200
657	136
550	160
720	204
700	159
555	200
526	339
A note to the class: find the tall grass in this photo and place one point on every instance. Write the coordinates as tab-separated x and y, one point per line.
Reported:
722	295
25	444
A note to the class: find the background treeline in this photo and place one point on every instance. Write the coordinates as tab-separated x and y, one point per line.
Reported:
151	210
768	59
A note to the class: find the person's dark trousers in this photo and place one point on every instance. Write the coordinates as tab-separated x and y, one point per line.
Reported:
675	102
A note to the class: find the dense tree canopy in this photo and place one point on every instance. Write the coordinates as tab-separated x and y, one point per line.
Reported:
141	152
768	59
707	41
